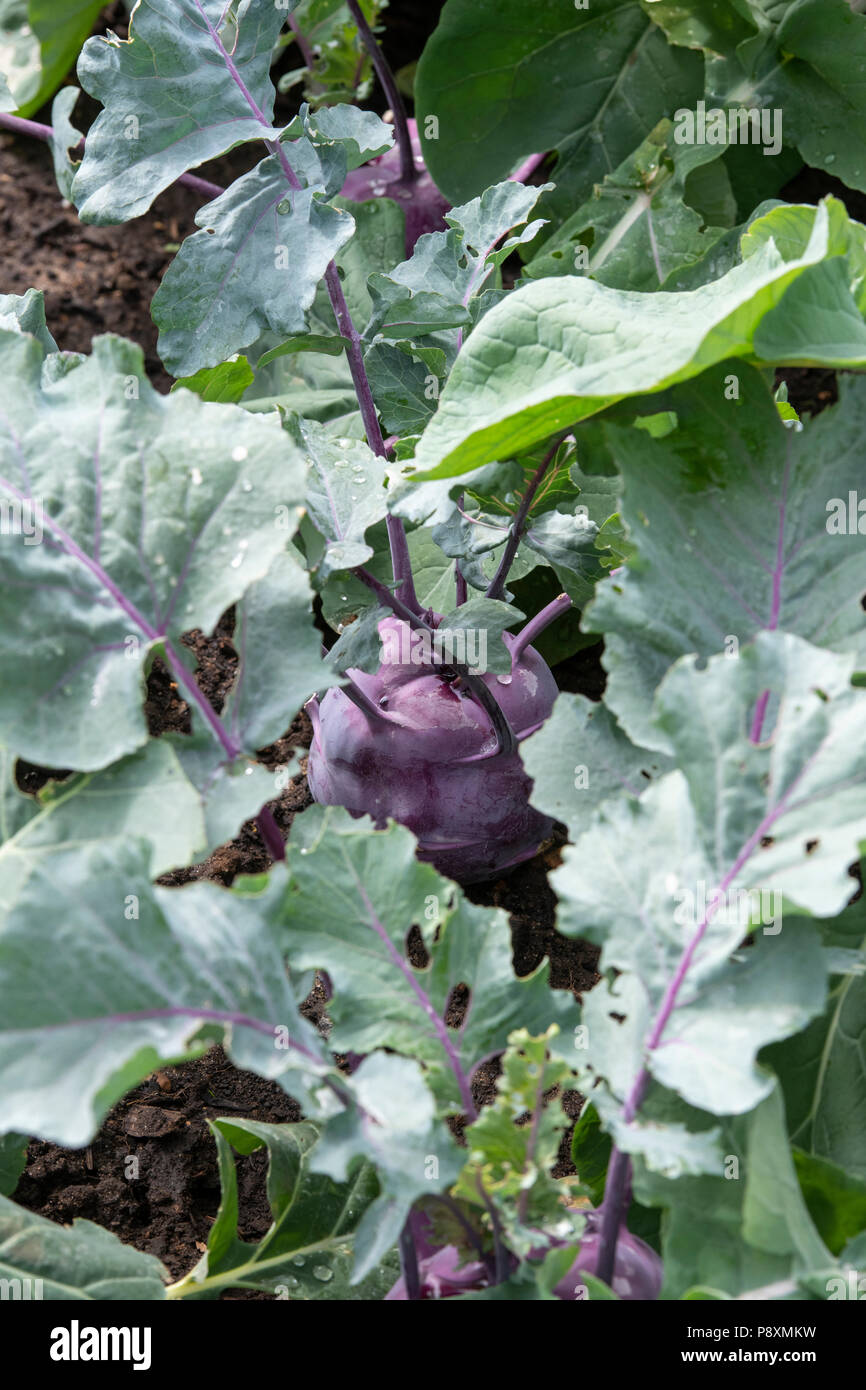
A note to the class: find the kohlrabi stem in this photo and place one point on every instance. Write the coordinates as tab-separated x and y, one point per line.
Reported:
499	1245
408	169
496	588
527	635
20	126
303	46
506	742
409	1263
270	833
459	577
400	561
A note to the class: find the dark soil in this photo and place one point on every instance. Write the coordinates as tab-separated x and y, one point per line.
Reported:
102	279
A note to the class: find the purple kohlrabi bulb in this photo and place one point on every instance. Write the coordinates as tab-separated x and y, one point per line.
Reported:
472	818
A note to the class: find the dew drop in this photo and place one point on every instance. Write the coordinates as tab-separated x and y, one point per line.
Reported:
196	477
239	453
504	680
290	1281
831	159
322	1272
344	598
298	1260
237	561
284	206
246	486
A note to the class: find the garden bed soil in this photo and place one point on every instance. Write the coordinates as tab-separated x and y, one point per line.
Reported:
102	279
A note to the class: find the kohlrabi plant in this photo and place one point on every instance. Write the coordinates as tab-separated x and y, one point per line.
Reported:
456	396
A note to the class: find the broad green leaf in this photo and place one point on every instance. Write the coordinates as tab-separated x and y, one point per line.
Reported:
174	97
757	517
580	757
746	1228
823	1071
394	1125
129	975
639	226
39	42
13	1156
801	59
345	493
66	1264
253	268
159	514
225	383
280	653
354	895
560	350
146	796
306	1253
595	79
730	841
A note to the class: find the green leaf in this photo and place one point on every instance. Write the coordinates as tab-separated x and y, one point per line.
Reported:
595	80
728	842
580	757
822	1070
225	383
345	493
404	389
431	291
310	342
129	976
638	228
395	1126
253	268
743	565
306	1252
145	795
355	892
13	1156
512	1161
276	677
25	313
487	619
742	1230
72	1263
836	1200
157	516
801	59
39	42
170	99
538	363
567	542
65	138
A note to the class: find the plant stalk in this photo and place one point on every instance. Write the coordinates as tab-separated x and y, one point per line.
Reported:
496	588
409	1264
408	169
527	635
